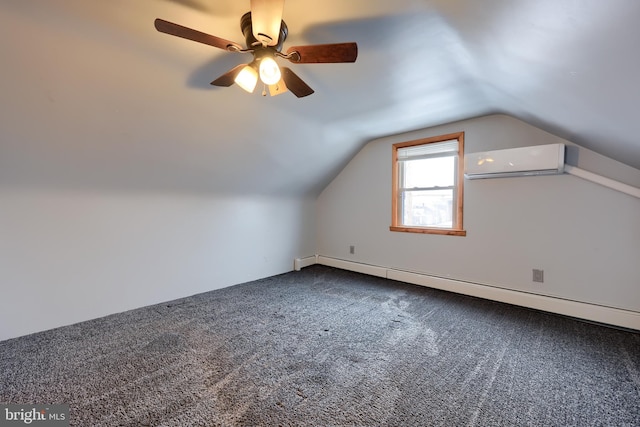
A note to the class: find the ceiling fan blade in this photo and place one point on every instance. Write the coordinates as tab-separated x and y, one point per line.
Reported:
323	53
228	78
266	18
294	83
197	36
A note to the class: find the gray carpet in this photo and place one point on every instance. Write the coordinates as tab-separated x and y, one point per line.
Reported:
328	347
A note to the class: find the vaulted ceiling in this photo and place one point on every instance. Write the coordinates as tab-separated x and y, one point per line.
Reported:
94	97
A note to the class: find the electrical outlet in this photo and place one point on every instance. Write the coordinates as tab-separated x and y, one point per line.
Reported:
352	249
538	276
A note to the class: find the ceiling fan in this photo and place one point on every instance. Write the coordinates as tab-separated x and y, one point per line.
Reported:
265	32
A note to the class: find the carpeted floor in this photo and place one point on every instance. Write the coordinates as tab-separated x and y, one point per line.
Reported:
325	347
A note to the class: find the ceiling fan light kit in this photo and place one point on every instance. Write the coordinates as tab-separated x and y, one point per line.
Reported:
265	33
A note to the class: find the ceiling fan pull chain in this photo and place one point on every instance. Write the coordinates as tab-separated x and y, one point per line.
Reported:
264	90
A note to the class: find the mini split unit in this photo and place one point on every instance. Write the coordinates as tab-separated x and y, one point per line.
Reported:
523	161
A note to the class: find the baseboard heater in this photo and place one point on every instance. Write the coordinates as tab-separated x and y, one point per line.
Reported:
523	161
592	312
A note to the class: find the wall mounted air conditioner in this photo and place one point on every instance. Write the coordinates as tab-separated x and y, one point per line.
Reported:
523	161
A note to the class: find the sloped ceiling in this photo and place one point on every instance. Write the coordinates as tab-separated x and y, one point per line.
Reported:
94	97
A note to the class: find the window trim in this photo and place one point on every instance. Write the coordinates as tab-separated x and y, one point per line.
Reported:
457	228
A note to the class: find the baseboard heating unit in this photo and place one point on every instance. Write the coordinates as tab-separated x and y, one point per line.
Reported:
592	312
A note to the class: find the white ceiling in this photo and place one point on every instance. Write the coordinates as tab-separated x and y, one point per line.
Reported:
93	96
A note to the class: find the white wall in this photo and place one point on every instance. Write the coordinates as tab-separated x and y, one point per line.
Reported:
585	237
69	256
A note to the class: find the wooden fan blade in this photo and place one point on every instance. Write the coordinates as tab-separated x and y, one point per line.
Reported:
295	83
228	78
324	53
195	35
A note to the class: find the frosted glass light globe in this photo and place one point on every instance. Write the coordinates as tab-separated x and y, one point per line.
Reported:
269	71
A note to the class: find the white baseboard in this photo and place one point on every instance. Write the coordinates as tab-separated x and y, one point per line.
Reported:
592	312
300	263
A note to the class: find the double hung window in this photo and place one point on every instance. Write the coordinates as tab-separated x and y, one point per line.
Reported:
428	185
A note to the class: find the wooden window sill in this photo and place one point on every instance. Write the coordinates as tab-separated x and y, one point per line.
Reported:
426	230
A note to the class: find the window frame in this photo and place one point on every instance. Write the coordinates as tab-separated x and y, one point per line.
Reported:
457	227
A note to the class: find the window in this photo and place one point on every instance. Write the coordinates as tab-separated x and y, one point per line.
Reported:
427	185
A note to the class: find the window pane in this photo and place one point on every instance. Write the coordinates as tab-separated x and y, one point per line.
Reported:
429	208
425	173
